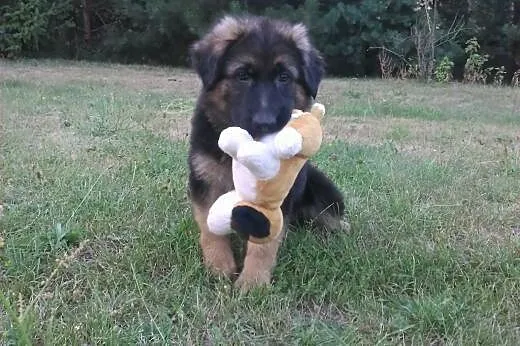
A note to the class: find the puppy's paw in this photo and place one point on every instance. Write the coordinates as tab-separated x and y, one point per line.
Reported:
248	281
288	142
221	264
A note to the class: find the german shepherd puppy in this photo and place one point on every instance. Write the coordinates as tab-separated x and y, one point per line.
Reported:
254	71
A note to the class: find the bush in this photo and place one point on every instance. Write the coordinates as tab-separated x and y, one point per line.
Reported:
444	71
474	68
27	26
350	34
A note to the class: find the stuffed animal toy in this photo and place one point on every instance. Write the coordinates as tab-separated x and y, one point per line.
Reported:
263	173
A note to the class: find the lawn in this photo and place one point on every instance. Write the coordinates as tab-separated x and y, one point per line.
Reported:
97	242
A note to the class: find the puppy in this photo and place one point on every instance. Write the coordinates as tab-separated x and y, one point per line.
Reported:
254	72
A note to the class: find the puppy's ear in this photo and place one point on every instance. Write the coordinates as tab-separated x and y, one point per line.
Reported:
313	64
313	69
206	64
207	53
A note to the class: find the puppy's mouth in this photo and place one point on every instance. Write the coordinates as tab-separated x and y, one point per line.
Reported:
261	132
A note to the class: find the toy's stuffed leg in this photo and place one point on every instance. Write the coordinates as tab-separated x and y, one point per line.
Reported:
219	215
255	223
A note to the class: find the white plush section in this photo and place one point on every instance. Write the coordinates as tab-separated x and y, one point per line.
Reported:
296	113
245	182
287	143
259	159
219	215
232	138
318	109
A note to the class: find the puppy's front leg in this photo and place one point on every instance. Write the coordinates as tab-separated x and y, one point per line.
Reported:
216	249
258	264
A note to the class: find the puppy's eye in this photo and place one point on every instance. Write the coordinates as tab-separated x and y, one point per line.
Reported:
284	77
243	75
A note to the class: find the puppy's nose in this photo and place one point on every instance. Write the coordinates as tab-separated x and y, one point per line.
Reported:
264	123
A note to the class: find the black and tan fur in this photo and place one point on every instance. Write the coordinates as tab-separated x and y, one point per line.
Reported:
254	71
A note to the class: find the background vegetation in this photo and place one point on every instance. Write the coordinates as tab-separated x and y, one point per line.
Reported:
410	37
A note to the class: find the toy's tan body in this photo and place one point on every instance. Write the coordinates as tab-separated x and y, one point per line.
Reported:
265	171
271	193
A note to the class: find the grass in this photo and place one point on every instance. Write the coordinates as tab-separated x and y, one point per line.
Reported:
98	244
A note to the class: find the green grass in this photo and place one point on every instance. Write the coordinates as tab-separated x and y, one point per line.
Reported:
99	245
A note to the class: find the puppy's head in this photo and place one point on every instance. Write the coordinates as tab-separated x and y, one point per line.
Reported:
256	70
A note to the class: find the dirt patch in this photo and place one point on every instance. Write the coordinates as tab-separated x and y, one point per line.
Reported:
48	129
174	129
49	133
328	313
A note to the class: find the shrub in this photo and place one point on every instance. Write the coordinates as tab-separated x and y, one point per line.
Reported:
27	25
474	68
498	74
444	71
515	81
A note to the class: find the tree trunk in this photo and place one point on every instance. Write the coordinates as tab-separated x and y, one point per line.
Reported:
87	30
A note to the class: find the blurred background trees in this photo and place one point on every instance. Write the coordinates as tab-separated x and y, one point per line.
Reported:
427	39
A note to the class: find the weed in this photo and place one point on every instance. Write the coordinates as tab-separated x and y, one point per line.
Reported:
474	71
443	71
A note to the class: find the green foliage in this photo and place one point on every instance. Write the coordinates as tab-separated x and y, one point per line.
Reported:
495	23
27	26
345	32
515	81
348	33
498	74
474	68
443	71
474	71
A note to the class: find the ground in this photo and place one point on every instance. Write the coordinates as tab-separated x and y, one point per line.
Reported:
97	243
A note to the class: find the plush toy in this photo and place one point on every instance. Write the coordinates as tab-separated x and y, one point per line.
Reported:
263	173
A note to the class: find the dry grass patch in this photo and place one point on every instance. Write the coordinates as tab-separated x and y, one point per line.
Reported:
409	99
173	81
438	140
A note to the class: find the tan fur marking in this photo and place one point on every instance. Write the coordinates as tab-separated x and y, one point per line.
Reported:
238	63
298	34
258	264
217	99
227	30
302	100
216	250
217	105
215	172
288	62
